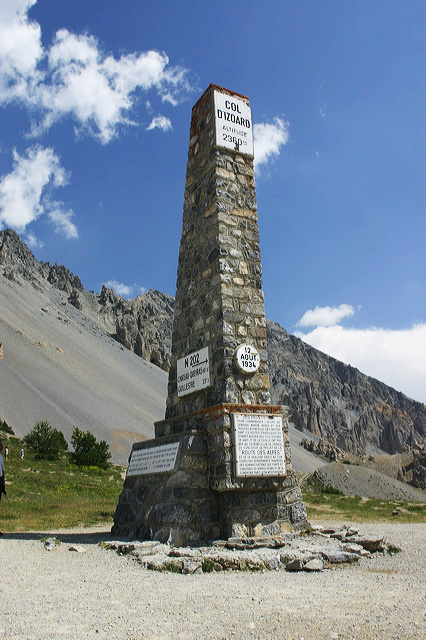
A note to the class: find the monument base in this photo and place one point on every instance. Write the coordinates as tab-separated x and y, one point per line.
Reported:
182	487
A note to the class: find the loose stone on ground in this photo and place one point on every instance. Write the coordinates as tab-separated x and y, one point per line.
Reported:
314	551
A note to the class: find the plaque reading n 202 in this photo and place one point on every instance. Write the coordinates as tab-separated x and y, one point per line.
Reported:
193	372
259	445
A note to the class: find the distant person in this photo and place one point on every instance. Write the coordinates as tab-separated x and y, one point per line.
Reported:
6	454
22	454
2	481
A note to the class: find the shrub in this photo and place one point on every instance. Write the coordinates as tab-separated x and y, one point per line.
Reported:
393	549
46	442
5	428
328	489
208	565
88	452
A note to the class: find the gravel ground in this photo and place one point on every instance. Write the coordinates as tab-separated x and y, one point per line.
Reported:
63	595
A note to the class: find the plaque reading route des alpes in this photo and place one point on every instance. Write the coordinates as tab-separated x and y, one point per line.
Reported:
259	445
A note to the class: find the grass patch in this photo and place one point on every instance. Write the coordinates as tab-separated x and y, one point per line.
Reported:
392	549
171	567
44	494
325	502
328	489
208	565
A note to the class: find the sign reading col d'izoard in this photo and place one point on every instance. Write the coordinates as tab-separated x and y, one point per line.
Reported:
233	123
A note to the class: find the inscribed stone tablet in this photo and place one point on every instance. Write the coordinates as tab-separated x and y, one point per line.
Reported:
193	372
247	358
233	123
153	459
259	445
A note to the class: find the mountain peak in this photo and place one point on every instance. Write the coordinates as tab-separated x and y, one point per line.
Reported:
14	252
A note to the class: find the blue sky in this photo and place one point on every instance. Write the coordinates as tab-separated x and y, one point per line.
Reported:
95	104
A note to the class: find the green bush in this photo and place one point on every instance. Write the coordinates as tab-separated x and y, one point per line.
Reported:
88	452
5	428
392	549
208	565
46	442
328	489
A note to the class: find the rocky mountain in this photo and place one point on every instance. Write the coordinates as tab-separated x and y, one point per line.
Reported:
333	401
338	403
143	325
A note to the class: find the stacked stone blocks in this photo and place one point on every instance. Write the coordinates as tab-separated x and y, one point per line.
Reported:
219	297
219	305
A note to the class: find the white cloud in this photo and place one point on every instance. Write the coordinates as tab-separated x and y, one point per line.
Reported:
80	80
20	49
119	288
124	290
325	316
62	220
395	357
24	192
268	140
32	241
160	122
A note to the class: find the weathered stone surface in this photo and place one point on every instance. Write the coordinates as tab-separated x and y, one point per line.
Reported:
370	543
191	566
314	565
218	244
353	548
323	448
143	325
74	299
340	557
51	543
292	552
218	304
294	565
254	543
352	542
61	278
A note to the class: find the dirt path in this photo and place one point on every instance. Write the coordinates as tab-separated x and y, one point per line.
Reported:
64	595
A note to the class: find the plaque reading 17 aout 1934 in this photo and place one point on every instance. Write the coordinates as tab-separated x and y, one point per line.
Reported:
193	372
259	445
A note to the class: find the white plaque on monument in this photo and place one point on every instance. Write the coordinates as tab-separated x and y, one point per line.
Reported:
157	459
259	445
233	123
247	358
193	372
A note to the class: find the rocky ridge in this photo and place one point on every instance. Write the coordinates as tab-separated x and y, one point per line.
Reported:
323	448
338	403
143	325
327	398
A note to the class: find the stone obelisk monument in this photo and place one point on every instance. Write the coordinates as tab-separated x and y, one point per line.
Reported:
220	463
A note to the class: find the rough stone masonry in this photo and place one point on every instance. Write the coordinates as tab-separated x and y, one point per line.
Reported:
220	463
